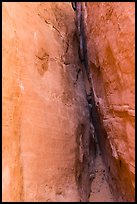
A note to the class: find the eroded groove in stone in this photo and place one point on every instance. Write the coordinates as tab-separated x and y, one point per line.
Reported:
68	86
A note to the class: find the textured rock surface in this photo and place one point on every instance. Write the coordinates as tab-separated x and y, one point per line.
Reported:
47	145
45	115
111	52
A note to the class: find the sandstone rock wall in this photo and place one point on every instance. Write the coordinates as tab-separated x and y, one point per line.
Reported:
45	113
47	144
110	28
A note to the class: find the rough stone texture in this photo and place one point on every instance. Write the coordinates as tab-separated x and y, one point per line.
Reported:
47	144
110	28
45	115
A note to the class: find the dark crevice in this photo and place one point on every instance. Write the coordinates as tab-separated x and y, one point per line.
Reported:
88	161
79	70
97	130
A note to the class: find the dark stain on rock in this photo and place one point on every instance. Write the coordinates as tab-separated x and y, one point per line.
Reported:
120	163
42	61
109	13
67	98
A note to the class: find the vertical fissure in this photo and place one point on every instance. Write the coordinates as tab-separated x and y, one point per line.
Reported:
78	80
96	126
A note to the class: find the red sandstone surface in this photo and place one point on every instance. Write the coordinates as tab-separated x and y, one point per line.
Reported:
47	144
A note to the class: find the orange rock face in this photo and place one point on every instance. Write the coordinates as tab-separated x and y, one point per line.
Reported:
44	110
47	139
111	50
